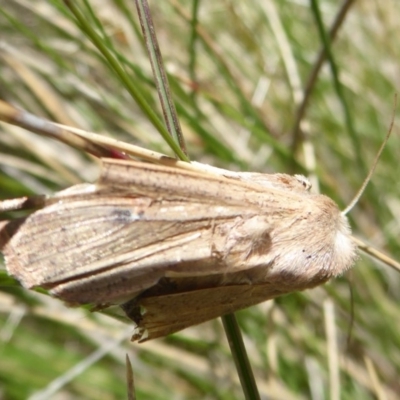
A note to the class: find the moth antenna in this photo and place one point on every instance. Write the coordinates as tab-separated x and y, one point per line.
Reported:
374	164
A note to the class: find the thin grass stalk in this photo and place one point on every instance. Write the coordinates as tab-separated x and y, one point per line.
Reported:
125	79
337	84
160	77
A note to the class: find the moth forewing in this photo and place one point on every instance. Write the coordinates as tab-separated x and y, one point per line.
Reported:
153	317
161	234
115	233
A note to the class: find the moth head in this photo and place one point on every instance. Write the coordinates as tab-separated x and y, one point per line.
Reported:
345	248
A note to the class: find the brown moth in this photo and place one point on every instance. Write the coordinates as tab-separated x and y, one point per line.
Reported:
178	247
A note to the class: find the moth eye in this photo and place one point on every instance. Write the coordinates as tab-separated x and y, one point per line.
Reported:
304	181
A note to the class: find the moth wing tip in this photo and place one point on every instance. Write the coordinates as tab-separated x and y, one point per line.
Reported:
140	334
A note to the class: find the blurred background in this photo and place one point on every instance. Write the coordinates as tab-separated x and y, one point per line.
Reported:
254	92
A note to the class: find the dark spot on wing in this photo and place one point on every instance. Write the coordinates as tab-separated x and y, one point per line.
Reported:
124	215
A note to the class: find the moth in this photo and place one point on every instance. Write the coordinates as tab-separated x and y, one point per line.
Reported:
176	247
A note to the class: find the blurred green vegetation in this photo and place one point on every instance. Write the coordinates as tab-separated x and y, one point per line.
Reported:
237	78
